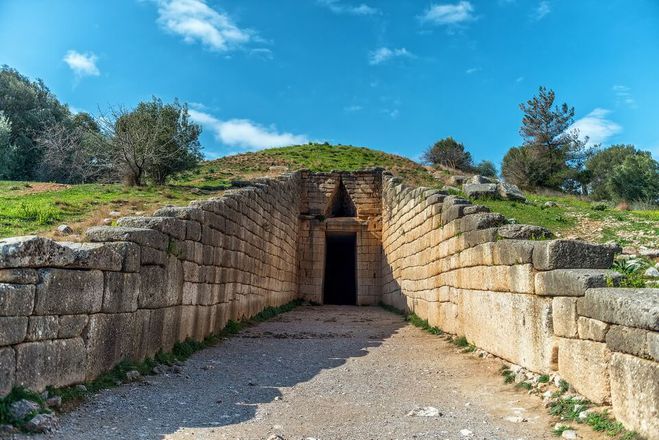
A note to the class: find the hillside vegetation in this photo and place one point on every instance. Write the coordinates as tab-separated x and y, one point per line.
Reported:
28	208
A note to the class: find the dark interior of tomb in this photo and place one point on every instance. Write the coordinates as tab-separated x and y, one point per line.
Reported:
340	285
342	204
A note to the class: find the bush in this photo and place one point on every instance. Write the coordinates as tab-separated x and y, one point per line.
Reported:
450	153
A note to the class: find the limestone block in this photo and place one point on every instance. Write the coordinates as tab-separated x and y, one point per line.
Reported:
144	237
18	276
183	213
121	292
585	366
569	282
151	256
524	232
515	327
12	330
94	256
56	363
32	251
629	307
42	327
110	338
167	225
16	299
628	340
653	345
564	316
71	326
153	288
635	393
592	329
510	252
7	370
569	254
62	291
480	189
480	221
130	253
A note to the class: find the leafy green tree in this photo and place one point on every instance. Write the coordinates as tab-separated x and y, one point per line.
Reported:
450	153
30	107
623	172
153	141
551	150
486	168
7	149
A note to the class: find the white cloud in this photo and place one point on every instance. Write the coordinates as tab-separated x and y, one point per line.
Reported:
624	95
597	126
449	14
82	64
472	70
195	21
384	54
542	10
244	133
339	7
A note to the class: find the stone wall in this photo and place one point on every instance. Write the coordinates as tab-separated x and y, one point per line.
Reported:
70	311
538	303
364	189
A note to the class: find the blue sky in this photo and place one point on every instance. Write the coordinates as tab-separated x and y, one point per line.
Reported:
388	74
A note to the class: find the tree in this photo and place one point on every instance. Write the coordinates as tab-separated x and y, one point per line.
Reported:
153	141
72	152
621	172
552	149
450	153
486	168
7	149
30	107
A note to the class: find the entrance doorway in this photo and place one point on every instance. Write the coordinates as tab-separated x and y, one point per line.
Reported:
340	285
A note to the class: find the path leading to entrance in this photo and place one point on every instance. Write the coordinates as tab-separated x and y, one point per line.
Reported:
332	372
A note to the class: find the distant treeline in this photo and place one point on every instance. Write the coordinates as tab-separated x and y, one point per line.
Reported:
41	139
553	156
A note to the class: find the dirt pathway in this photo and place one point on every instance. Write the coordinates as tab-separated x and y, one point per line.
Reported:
323	373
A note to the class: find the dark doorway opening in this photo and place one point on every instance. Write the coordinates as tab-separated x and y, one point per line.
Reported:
340	285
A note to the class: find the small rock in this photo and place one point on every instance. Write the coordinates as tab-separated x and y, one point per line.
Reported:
570	434
64	229
195	191
466	433
278	398
106	221
81	388
54	402
22	408
520	377
647	252
276	437
425	411
8	429
133	376
652	272
583	415
176	369
114	214
42	423
159	369
515	419
550	204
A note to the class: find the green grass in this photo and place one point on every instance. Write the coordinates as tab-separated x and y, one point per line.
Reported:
16	394
24	213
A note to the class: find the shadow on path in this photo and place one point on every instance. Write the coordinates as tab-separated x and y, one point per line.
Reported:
223	385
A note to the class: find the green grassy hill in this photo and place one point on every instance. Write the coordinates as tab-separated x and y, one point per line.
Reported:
28	208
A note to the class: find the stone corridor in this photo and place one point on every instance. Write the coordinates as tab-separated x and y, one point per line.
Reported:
330	372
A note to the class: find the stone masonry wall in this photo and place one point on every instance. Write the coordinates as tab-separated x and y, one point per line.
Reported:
70	311
542	304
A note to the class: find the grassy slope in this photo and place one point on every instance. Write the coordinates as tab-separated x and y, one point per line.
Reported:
24	210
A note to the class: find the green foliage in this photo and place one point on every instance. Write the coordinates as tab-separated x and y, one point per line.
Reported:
30	107
423	324
460	341
622	172
631	271
508	375
599	206
486	168
154	141
560	429
543	378
524	385
450	153
552	154
16	394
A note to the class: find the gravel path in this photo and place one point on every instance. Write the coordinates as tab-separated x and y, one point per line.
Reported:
318	372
